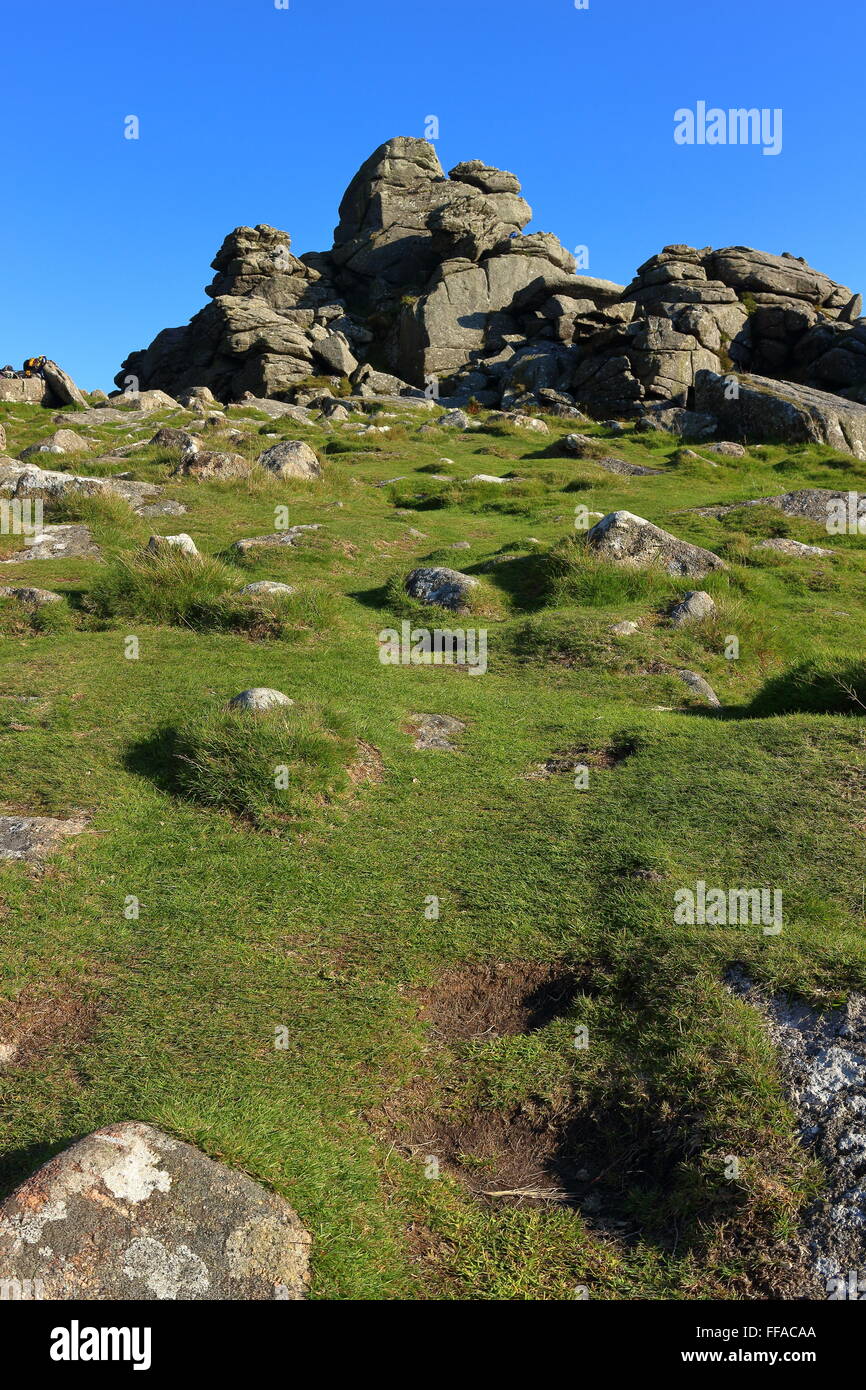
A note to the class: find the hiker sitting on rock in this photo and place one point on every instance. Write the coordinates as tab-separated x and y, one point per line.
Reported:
34	365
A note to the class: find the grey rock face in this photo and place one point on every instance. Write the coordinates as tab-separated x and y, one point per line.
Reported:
631	540
60	442
784	546
446	588
258	699
766	411
812	503
692	608
129	1213
61	385
206	463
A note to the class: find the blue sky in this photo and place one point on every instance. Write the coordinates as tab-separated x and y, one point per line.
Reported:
249	113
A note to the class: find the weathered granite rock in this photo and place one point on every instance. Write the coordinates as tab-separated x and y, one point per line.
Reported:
795	549
204	464
36	598
435	732
694	607
446	588
291	458
60	442
269	588
290	537
129	1213
628	539
700	687
258	699
158	545
64	542
31	839
765	411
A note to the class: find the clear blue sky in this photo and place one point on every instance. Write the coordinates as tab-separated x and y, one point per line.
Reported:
253	114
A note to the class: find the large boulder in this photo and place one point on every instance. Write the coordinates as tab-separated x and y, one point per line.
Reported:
291	459
61	385
131	1214
631	540
781	412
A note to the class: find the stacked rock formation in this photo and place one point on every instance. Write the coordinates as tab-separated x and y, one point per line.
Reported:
432	285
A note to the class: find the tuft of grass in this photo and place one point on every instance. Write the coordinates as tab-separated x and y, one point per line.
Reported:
575	572
274	767
815	687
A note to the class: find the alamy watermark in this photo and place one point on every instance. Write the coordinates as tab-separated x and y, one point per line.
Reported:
737	126
732	907
21	516
846	515
424	646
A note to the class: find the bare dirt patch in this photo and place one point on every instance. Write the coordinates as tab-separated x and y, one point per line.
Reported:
494	1000
39	1022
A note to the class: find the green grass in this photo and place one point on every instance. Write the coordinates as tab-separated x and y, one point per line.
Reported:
303	907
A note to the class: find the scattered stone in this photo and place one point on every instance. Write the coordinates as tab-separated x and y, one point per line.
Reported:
145	401
700	687
131	1214
204	464
435	732
65	542
167	507
785	546
168	438
259	698
201	395
444	587
728	448
60	442
269	587
625	469
37	598
32	838
694	607
628	539
624	629
291	459
455	419
182	542
291	536
487	478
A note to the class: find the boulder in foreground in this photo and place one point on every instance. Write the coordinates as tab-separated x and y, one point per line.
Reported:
631	540
129	1213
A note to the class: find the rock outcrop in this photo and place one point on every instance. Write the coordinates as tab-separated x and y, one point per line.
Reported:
433	286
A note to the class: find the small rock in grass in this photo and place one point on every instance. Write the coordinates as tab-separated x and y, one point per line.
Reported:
37	597
728	448
268	586
692	608
181	542
435	732
700	687
32	838
785	546
487	478
259	698
625	628
445	587
455	419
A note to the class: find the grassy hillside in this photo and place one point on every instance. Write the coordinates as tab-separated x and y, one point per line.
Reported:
306	919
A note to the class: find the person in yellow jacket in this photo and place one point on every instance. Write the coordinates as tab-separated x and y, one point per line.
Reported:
34	365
